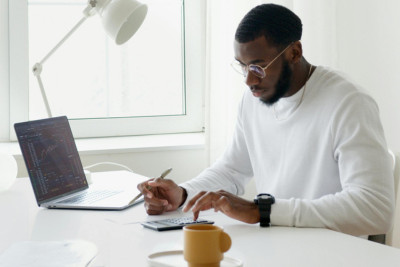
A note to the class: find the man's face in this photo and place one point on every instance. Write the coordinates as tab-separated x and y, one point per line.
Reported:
277	80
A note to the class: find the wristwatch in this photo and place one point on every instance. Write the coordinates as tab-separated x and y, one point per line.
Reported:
264	202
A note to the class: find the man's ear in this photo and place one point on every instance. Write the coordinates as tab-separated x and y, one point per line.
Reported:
296	52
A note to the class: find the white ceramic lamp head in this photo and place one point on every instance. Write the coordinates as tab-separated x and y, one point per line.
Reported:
8	171
121	18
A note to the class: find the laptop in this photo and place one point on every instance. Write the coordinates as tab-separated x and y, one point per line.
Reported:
56	173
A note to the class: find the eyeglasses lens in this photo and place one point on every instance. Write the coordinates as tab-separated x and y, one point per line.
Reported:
243	69
239	68
256	70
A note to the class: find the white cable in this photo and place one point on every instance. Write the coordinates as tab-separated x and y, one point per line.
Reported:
111	163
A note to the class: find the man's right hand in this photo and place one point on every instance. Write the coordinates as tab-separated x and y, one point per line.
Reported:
165	195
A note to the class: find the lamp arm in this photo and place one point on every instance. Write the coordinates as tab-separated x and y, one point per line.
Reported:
44	96
63	40
37	68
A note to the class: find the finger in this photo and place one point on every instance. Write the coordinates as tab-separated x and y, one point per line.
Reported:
196	215
164	183
214	206
153	201
207	206
156	207
143	188
154	210
206	200
203	208
192	201
223	204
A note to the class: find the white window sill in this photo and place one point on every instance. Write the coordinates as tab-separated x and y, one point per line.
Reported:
126	144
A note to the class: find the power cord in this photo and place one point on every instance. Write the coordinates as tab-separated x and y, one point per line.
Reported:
110	163
89	175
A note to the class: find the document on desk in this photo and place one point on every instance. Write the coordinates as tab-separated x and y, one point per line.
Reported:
77	253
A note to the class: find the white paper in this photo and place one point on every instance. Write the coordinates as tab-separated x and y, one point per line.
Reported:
76	253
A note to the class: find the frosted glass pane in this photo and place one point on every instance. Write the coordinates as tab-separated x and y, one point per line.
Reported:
91	77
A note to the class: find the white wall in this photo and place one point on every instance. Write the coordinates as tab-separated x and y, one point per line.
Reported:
361	38
368	39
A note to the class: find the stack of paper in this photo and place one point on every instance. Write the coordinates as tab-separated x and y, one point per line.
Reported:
77	253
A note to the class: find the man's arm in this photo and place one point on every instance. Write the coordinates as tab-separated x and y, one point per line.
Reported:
231	172
227	203
365	206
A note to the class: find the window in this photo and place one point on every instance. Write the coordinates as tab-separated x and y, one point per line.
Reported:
150	85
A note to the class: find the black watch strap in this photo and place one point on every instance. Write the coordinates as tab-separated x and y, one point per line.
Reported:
265	215
264	202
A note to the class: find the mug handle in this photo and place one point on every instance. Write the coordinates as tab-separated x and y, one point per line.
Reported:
226	242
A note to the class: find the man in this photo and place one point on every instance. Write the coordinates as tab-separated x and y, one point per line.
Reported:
311	138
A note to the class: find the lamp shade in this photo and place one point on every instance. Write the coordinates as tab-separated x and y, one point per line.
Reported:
8	171
122	18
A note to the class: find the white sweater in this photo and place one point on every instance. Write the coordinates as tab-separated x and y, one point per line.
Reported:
327	165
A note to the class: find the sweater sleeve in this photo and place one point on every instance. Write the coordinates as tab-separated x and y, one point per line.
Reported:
231	172
365	206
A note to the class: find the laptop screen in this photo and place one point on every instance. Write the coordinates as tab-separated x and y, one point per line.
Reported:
51	157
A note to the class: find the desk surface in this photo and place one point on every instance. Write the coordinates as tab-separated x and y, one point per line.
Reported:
122	241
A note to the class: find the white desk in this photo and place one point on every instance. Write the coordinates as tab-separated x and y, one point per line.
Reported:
129	244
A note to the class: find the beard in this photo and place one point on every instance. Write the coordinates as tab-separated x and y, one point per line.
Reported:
282	86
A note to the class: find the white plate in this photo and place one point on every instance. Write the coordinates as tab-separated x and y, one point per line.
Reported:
175	258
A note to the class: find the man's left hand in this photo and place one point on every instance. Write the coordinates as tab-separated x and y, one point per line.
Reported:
229	204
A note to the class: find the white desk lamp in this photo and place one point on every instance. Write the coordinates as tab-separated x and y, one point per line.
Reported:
121	19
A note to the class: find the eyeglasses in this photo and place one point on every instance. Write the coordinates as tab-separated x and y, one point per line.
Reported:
255	69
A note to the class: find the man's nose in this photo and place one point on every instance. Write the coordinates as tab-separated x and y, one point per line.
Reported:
251	79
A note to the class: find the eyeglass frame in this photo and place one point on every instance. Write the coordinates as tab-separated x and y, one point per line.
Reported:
246	68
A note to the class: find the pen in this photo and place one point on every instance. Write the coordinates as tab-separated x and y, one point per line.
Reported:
165	173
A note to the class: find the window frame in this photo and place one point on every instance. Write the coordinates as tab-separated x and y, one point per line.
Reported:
194	79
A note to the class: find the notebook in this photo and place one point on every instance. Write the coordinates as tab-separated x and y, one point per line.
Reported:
56	173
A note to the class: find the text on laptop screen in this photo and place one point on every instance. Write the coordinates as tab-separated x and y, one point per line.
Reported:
51	157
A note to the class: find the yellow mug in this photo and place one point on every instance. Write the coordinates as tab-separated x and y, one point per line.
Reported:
204	245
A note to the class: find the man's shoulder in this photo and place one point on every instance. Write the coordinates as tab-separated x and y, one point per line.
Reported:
335	90
333	77
335	83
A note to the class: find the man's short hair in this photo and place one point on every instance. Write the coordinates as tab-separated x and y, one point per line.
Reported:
279	25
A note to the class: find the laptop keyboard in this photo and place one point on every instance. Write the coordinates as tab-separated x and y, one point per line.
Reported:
91	197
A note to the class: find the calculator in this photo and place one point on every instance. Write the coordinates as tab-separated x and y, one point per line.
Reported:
173	224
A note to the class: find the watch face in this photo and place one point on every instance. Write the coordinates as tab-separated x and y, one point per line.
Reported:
264	199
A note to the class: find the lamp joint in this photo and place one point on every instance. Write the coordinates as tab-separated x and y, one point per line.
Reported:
89	10
37	69
92	3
